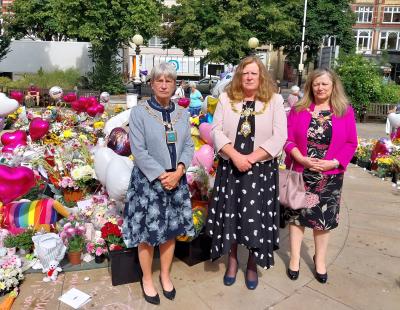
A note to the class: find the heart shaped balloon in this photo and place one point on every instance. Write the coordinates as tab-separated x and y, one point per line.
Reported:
100	108
77	106
9	148
15	182
17	95
92	100
84	102
204	157
38	128
13	137
95	109
70	97
205	133
118	141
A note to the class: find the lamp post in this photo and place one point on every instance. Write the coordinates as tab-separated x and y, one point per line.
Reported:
301	65
137	40
253	44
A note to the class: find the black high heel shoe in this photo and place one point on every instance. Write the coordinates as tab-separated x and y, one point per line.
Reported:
293	275
168	294
155	300
321	277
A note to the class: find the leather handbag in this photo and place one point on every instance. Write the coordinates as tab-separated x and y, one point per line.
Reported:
292	192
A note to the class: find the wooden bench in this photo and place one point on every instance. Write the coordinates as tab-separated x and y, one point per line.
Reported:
378	110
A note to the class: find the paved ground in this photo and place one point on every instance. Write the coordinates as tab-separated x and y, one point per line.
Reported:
363	266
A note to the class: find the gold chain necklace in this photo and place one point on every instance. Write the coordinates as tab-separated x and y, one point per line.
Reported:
245	129
170	134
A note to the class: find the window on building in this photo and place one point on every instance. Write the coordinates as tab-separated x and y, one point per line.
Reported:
364	14
391	15
389	40
363	39
155	42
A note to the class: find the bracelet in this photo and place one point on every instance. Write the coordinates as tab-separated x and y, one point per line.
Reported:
337	163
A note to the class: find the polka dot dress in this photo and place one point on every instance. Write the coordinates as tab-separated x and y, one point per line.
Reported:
244	207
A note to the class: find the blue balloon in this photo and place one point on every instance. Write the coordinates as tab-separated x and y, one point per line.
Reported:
209	118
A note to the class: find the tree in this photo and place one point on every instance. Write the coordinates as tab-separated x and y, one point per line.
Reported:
224	27
5	41
109	26
34	19
324	17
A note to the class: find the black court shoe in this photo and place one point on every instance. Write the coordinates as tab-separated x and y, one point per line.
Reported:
321	277
155	300
293	275
168	294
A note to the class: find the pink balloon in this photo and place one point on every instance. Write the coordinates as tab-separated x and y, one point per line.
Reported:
17	95
84	102
184	102
205	133
95	109
70	97
204	157
92	100
9	148
38	128
15	182
77	106
13	137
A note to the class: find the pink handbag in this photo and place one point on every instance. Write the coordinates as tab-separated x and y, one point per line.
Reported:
292	192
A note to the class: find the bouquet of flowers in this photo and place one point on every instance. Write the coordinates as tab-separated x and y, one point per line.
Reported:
10	274
364	149
198	180
98	247
73	234
112	234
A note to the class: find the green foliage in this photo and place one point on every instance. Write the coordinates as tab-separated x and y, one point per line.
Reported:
76	243
35	19
65	79
5	42
361	80
390	93
224	27
10	241
24	240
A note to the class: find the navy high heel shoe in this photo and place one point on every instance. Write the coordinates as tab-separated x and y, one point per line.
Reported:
155	300
228	281
321	277
251	285
168	294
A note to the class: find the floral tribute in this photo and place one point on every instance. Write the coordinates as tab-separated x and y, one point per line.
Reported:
112	234
72	232
97	247
10	274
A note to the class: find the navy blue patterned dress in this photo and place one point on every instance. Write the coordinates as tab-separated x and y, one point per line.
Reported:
152	214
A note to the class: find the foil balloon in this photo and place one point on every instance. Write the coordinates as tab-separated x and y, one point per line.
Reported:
38	128
198	143
77	106
13	137
184	102
95	109
118	141
70	97
104	97
84	102
92	100
118	175
17	95
56	93
205	133
118	120
204	157
394	120
15	182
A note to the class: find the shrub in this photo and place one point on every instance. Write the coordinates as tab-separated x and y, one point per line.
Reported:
390	93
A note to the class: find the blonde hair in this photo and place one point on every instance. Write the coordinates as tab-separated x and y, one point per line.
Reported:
266	87
338	100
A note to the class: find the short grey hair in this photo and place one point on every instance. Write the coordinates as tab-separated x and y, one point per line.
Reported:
163	68
192	84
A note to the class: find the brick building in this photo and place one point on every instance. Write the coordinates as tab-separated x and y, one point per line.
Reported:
5	4
377	29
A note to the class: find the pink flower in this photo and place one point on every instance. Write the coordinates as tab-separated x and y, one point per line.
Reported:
99	251
101	241
90	247
70	231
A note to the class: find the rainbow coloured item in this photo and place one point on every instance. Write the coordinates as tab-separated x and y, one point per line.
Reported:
38	214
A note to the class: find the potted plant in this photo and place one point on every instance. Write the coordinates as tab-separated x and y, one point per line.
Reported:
10	242
97	248
73	236
24	241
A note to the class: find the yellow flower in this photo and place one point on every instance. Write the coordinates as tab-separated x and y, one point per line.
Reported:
19	110
68	133
131	157
195	221
98	125
2	285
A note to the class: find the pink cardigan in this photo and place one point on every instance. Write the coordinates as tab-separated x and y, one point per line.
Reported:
343	143
270	133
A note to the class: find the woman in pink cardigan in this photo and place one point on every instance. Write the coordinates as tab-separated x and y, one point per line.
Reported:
249	131
322	139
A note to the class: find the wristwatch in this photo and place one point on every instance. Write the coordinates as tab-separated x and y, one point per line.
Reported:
337	163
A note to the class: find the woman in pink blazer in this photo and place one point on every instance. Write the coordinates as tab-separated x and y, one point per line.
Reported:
322	139
249	131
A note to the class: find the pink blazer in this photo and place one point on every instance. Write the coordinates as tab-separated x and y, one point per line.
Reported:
270	127
343	143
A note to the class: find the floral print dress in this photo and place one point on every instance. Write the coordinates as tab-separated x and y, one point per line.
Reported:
323	191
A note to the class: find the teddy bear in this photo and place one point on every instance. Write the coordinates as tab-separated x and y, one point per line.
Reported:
52	271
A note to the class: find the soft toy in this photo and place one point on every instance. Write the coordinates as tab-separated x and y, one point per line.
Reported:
52	271
16	216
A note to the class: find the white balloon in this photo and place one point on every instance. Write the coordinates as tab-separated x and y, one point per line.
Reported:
102	158
394	120
118	175
118	120
7	106
56	92
104	97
